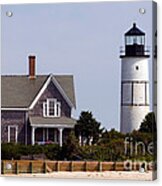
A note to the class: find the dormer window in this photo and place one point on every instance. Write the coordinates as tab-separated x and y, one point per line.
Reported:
52	108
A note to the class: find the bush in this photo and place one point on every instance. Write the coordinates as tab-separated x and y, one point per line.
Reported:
9	151
52	151
15	151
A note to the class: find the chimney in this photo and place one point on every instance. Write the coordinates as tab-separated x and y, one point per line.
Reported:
32	67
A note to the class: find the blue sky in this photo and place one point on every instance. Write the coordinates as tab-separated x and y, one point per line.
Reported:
82	39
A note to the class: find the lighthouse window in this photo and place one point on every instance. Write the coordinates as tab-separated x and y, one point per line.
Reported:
134	40
137	67
130	40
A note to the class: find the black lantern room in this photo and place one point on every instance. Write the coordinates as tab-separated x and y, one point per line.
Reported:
134	42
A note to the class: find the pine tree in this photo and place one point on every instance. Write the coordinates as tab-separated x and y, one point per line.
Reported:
88	128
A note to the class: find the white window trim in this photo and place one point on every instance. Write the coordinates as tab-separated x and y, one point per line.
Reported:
59	108
14	108
46	112
9	132
44	109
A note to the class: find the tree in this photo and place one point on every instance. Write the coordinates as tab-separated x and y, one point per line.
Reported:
71	148
88	128
108	136
148	125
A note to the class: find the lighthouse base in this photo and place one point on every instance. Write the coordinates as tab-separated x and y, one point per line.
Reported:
132	116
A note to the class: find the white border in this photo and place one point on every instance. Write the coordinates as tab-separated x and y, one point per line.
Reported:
73	182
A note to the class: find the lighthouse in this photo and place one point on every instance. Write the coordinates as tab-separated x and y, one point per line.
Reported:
135	103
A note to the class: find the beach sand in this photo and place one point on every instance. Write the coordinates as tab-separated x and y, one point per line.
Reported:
109	175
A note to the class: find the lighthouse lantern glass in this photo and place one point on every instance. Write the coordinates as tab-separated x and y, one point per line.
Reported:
131	40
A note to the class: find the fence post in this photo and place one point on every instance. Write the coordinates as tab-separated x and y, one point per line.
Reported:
45	167
71	166
85	165
2	167
58	166
100	166
31	167
16	167
114	166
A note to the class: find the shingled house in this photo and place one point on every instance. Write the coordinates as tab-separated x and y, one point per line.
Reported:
36	108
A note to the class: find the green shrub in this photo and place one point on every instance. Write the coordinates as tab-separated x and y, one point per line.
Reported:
15	151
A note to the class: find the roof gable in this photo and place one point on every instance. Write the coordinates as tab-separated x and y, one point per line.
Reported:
20	91
58	86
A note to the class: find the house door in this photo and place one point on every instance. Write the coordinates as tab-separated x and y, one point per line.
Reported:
12	134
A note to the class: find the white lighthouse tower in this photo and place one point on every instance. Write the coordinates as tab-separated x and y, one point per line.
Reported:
134	81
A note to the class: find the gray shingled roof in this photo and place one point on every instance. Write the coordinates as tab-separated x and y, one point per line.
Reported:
20	91
43	120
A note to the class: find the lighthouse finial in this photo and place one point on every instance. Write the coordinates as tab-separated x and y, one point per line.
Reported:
134	25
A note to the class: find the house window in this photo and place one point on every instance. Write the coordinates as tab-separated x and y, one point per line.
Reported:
51	108
12	133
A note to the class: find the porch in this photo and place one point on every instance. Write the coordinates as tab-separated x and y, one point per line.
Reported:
50	130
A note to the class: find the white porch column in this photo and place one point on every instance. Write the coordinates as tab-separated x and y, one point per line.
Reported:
33	135
16	137
60	136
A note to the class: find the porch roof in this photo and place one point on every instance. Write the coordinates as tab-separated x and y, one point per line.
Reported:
38	121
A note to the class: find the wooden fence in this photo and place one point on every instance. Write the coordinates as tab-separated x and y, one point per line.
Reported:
39	166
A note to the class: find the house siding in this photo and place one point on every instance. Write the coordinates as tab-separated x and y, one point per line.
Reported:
17	118
51	92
